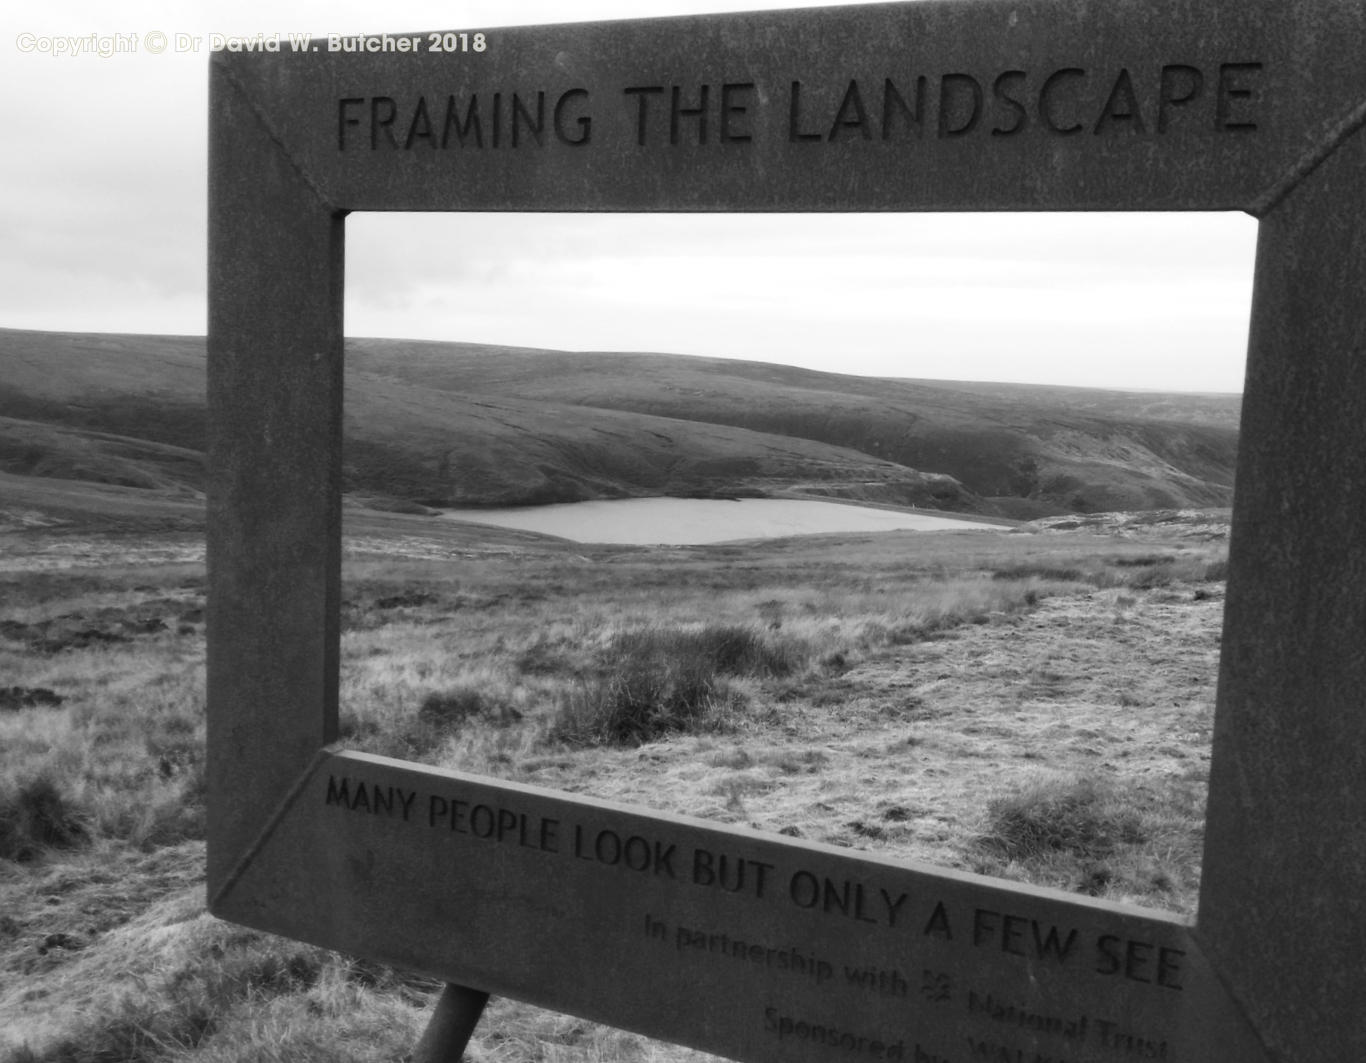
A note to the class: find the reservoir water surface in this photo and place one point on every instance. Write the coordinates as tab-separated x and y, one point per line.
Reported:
694	521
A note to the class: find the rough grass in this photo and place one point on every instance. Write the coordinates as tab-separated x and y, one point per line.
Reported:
175	983
1024	706
124	751
1142	571
659	680
642	701
35	818
1095	835
1084	817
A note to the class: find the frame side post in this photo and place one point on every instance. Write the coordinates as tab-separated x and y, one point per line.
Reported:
274	507
1282	902
452	1024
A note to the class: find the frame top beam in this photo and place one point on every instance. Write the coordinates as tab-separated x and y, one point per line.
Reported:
941	105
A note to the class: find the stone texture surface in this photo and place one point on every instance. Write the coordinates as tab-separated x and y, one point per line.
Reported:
1283	899
718	937
274	516
1106	111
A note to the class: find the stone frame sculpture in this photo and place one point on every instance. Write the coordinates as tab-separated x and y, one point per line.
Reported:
942	105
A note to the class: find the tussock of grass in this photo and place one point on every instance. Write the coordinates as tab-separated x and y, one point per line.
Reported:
413	737
1164	570
1044	571
725	649
1143	560
460	704
642	701
736	759
393	731
150	790
172	814
795	761
666	679
1084	817
408	691
544	657
1216	571
1149	578
35	817
1092	835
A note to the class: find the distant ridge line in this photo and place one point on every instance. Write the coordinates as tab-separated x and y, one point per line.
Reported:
437	423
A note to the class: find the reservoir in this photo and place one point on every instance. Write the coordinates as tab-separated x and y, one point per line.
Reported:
695	521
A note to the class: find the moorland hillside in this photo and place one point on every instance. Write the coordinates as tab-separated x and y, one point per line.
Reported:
474	424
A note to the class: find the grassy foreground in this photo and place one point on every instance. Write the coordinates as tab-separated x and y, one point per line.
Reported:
1034	706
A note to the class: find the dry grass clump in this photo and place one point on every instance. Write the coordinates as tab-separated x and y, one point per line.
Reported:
1085	817
412	691
122	745
546	657
148	786
440	718
416	736
660	680
35	817
727	649
464	702
1045	571
1093	835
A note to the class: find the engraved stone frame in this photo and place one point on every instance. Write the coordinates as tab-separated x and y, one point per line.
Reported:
957	105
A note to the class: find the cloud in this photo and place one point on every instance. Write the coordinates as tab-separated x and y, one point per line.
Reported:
1152	301
103	216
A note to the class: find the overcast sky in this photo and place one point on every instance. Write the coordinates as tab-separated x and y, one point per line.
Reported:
102	228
